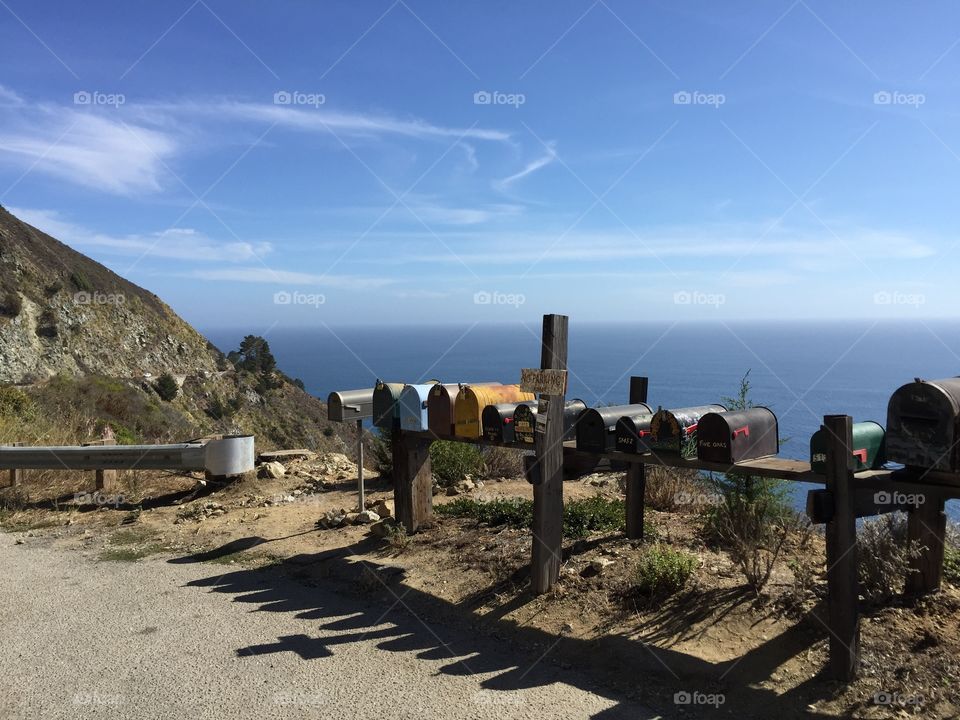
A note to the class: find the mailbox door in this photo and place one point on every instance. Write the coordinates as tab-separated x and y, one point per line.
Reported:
868	448
571	414
385	398
440	409
524	422
633	433
922	424
739	435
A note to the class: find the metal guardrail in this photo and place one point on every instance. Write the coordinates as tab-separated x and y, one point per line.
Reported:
233	455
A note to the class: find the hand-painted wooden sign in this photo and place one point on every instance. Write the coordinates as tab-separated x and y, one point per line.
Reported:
546	382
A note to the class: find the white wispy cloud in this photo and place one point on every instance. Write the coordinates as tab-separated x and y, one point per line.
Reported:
276	276
93	149
173	243
530	168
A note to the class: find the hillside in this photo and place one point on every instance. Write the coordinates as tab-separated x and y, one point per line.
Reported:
85	348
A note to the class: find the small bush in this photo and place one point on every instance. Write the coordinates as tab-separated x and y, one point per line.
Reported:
451	461
883	557
670	489
11	304
951	565
596	514
664	571
166	387
15	403
498	462
513	512
383	453
80	282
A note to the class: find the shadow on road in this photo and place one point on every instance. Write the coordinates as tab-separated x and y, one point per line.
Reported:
363	600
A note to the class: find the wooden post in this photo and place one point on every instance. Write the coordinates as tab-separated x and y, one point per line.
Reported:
412	481
360	464
927	524
843	589
548	442
636	486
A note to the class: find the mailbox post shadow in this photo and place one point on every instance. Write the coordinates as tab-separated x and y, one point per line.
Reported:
400	618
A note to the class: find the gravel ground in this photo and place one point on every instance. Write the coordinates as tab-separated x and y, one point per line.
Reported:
84	638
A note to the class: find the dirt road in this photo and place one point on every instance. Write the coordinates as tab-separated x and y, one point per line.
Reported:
85	638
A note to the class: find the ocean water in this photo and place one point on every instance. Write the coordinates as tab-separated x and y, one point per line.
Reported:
800	370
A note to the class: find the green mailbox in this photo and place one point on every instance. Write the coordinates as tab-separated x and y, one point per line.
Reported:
868	448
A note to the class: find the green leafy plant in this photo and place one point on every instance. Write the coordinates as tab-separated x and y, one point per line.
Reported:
884	557
951	565
451	461
664	571
166	387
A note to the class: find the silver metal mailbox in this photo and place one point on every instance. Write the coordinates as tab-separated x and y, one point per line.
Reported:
413	407
347	405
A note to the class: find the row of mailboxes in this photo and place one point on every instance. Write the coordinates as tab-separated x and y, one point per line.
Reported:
473	399
597	427
516	422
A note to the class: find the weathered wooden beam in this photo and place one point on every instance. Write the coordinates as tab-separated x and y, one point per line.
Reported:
841	536
636	488
927	525
412	481
16	474
548	443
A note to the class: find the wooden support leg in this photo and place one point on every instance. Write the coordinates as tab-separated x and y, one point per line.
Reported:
16	474
636	488
927	524
412	481
106	480
548	441
843	588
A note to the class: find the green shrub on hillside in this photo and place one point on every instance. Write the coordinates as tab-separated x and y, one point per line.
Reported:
166	387
451	461
14	402
11	304
664	571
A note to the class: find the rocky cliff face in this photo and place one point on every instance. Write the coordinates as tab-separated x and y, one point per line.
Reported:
61	312
86	348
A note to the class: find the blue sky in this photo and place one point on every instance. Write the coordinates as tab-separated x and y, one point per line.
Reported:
299	163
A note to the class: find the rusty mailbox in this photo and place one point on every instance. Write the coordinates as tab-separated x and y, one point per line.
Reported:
633	432
525	419
737	435
471	401
347	405
597	427
497	421
440	405
923	424
676	430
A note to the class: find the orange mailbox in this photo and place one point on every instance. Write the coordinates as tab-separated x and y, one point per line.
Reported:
471	401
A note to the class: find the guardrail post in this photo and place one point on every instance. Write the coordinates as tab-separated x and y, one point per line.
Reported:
843	590
16	474
412	481
548	441
927	524
636	485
